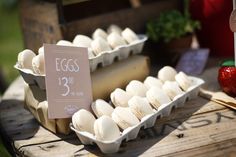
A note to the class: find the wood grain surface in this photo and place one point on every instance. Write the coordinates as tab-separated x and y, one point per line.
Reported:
45	22
200	128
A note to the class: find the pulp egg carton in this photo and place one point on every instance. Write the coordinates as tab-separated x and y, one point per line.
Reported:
32	78
146	122
103	59
121	52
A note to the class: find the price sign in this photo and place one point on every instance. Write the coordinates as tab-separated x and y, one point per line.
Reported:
193	61
68	81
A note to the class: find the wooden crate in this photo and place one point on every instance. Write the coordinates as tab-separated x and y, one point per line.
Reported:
50	21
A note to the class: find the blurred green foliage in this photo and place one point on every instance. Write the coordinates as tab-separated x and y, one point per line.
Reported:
171	25
3	151
10	38
8	4
10	44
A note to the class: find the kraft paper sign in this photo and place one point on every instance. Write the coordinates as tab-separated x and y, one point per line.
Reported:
68	81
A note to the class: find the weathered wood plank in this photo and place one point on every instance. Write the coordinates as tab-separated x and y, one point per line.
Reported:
15	91
200	128
196	106
42	136
134	18
224	148
196	133
191	108
39	23
40	20
210	76
57	149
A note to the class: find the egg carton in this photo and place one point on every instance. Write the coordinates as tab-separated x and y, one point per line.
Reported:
32	78
146	122
121	52
103	59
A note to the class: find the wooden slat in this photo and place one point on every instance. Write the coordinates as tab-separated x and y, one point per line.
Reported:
40	20
210	75
198	131
17	123
224	148
58	148
164	139
15	91
197	106
135	3
39	23
133	18
69	2
42	136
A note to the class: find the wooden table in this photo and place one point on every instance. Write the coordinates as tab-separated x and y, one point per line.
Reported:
200	128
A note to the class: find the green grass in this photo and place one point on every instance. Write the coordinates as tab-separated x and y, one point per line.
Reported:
3	151
10	42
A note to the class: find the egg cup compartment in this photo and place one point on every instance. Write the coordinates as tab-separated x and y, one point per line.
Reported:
110	147
192	91
180	100
137	46
40	81
149	120
125	52
31	78
95	63
165	109
27	75
84	137
110	56
146	122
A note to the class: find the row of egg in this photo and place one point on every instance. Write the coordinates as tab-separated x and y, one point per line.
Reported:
131	105
102	41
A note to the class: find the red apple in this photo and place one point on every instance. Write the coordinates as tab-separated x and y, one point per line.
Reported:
227	78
